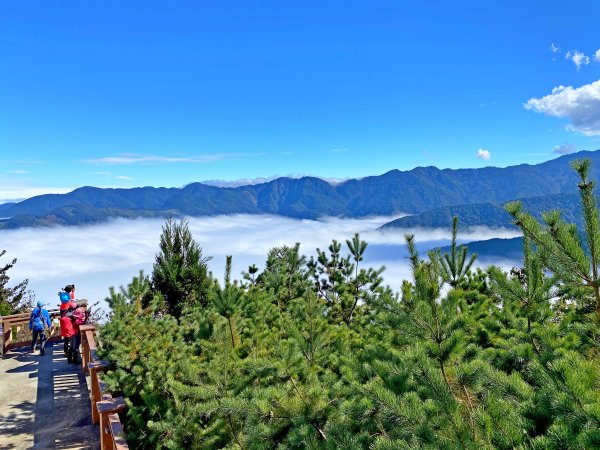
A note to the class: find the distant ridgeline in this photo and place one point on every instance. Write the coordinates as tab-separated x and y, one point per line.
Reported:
476	196
495	216
492	214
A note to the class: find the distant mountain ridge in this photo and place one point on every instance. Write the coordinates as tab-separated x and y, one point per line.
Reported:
492	214
414	191
492	251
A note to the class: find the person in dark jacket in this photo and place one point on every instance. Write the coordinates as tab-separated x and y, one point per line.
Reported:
78	317
39	321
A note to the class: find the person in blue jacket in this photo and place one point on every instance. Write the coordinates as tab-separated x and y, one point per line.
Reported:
38	323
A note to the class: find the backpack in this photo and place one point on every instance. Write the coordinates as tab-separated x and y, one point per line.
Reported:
65	297
38	319
79	317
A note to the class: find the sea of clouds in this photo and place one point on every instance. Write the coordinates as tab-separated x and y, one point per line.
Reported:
94	257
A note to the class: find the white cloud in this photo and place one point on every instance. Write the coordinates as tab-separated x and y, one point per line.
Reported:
128	158
564	149
483	154
110	254
244	181
335	181
597	55
260	180
554	48
339	150
578	58
581	105
13	190
18	171
111	175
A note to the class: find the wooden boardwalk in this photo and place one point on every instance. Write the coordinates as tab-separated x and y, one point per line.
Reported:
44	402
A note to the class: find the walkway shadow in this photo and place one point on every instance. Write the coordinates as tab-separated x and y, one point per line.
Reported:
60	418
30	361
17	424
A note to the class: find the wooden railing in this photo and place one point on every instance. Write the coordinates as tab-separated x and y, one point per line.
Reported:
17	333
105	407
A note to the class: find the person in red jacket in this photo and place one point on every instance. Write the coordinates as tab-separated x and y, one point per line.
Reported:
67	330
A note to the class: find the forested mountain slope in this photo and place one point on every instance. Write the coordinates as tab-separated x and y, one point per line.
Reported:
491	214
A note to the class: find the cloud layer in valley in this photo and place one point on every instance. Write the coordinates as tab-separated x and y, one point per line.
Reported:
98	256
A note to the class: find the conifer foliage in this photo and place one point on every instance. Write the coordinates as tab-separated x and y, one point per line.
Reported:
316	353
12	299
180	273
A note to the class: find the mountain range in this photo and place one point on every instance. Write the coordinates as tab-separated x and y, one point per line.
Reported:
432	194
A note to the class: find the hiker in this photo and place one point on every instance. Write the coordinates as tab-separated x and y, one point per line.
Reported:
67	295
78	317
67	331
38	323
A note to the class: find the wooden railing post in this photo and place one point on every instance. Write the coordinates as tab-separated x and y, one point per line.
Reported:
105	409
119	442
85	360
97	386
88	345
6	325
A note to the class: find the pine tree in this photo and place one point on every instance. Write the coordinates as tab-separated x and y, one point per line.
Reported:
12	299
330	273
180	271
528	289
143	348
453	267
343	284
286	274
560	246
228	301
135	294
365	283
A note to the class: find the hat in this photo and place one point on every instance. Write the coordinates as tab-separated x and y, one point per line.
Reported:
40	303
73	305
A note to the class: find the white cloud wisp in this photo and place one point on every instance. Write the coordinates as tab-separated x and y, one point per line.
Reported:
564	149
128	158
578	58
483	154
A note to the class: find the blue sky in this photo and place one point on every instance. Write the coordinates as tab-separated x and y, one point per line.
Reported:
136	93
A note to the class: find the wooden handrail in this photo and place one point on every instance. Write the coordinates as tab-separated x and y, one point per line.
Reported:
14	323
19	324
105	408
11	317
